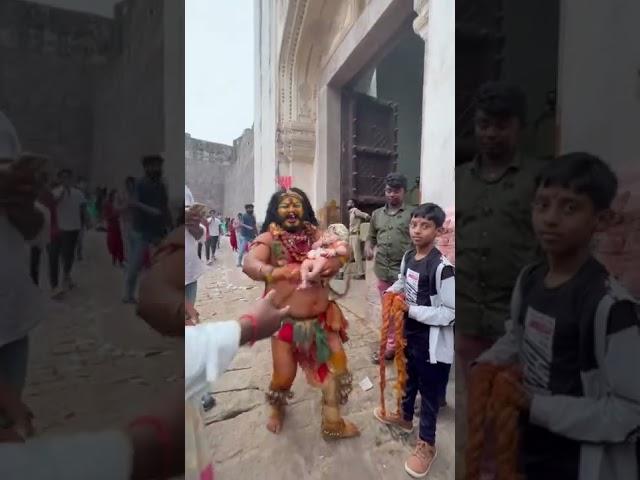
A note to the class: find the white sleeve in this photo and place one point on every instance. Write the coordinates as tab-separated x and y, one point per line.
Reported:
98	456
209	349
188	197
398	285
442	315
42	237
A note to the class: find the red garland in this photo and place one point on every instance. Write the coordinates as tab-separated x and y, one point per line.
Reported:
296	244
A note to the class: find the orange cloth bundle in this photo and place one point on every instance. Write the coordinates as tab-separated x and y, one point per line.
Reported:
393	310
493	404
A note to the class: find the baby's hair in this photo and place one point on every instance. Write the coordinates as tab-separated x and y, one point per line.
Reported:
339	230
583	173
430	211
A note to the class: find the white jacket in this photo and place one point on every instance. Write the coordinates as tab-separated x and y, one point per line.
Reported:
440	316
209	348
609	410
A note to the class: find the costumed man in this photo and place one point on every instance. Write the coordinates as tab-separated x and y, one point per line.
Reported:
313	332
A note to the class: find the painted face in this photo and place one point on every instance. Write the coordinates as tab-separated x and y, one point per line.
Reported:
291	212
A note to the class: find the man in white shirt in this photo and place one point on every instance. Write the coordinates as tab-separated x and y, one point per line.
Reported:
70	204
21	303
193	266
214	234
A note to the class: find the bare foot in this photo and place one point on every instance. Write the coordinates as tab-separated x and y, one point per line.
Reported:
274	424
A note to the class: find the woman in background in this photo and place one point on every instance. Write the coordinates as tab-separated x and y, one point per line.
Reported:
123	206
114	234
236	225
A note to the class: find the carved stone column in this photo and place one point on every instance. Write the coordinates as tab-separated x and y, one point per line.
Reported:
435	24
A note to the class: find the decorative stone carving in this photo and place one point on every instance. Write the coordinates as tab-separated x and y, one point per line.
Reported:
312	31
421	22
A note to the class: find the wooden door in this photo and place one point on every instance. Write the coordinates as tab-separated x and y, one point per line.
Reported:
479	58
369	149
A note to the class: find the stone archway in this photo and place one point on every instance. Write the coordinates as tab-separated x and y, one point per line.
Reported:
312	31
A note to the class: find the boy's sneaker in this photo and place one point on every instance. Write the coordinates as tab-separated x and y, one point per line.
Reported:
420	461
393	419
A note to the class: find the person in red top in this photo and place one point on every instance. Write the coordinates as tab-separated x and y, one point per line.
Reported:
114	234
236	225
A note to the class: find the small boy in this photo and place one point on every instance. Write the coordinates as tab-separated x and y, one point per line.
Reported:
575	334
428	282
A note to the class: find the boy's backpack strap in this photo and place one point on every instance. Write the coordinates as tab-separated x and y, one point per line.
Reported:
403	265
615	293
444	262
516	297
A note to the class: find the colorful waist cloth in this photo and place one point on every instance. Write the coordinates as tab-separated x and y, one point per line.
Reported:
309	337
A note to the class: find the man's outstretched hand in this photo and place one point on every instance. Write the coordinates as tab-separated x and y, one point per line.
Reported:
268	318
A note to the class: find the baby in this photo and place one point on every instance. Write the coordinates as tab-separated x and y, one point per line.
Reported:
332	243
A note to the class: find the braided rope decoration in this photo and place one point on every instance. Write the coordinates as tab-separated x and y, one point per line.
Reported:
393	309
397	313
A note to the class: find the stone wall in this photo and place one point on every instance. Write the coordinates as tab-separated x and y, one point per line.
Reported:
204	167
619	247
239	175
49	58
221	176
128	102
85	89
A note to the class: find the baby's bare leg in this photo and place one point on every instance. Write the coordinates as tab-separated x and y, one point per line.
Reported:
305	271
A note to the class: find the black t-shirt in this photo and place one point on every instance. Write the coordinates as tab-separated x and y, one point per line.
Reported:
557	346
249	233
153	194
420	286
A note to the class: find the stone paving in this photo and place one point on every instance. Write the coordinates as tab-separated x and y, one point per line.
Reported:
241	445
93	363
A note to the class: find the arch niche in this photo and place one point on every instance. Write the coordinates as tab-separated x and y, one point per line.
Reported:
312	31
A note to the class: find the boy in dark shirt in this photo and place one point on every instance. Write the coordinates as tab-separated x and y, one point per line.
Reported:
576	334
428	282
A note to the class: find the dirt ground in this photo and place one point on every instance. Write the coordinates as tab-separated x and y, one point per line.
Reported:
94	364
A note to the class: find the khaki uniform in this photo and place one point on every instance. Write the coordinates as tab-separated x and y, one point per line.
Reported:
356	217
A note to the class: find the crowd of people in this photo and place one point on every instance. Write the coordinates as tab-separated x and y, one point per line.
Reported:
294	258
537	317
133	221
544	334
44	214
